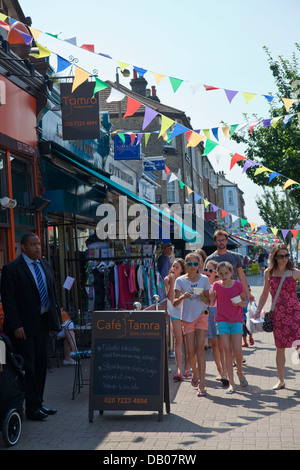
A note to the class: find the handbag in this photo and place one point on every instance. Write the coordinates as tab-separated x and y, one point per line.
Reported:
267	325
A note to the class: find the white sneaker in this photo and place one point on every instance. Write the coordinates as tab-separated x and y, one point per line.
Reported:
68	363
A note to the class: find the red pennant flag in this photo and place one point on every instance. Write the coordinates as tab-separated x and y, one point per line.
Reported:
236	158
88	47
252	126
188	135
209	87
295	233
132	137
167	170
132	107
224	213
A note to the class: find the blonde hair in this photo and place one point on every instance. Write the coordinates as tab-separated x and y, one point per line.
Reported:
192	255
225	264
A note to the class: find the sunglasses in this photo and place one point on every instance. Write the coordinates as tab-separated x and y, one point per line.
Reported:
283	256
209	270
190	263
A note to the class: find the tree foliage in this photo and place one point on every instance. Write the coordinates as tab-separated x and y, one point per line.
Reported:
278	147
273	209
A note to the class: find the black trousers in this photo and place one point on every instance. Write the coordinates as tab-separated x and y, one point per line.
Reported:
34	351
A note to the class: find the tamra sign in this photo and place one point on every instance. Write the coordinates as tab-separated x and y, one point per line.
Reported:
80	112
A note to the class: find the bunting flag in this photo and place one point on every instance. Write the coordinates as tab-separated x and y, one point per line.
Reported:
158	77
230	94
62	64
236	158
99	86
80	77
122	65
141	72
288	102
194	139
209	146
115	95
249	96
175	82
43	52
132	107
166	123
150	114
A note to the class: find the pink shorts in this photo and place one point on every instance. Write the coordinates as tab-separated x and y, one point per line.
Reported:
201	323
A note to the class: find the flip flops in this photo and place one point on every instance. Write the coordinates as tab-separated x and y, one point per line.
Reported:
195	383
201	393
177	377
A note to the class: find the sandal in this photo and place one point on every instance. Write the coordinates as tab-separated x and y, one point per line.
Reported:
201	393
243	383
194	383
177	377
230	391
188	373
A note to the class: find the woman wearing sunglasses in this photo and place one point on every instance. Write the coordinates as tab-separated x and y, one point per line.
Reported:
286	315
192	291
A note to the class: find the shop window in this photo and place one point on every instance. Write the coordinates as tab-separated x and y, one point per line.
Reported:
172	192
22	184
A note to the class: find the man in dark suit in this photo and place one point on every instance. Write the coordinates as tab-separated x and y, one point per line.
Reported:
29	301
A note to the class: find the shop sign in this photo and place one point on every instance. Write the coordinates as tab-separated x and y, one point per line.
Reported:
126	150
80	112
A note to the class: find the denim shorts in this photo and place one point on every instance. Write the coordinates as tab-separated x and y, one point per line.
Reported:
224	327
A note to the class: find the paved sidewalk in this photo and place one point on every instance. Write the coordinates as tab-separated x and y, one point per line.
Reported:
254	418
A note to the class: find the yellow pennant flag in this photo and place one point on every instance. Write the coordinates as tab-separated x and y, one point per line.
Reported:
274	230
289	183
35	33
288	102
249	96
147	135
261	170
80	77
195	139
225	130
43	52
206	202
253	225
158	77
3	17
275	121
206	133
122	66
165	124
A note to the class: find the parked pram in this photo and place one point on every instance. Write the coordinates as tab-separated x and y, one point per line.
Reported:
11	393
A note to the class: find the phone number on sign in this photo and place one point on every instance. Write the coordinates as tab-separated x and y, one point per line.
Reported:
80	123
126	400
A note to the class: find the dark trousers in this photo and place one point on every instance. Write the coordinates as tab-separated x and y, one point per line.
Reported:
34	351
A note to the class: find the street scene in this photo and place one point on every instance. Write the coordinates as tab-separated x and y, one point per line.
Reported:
149	228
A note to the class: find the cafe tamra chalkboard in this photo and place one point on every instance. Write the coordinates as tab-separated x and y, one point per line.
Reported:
129	369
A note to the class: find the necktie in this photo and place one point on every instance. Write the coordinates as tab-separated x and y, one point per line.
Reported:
41	284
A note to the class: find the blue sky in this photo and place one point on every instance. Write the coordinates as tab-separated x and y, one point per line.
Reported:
208	42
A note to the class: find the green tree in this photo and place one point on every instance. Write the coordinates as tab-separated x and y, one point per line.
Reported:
273	209
278	147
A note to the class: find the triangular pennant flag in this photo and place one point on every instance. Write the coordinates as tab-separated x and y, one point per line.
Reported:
269	98
62	64
274	230
243	222
27	38
167	170
43	52
197	197
209	146
206	202
275	121
173	177
181	184
175	82
35	33
115	95
215	131
230	94
224	213
288	102
147	135
273	175
80	77
261	170
248	164
295	233
165	124
139	138
140	71
150	114
289	183
249	96
194	139
132	107
253	225
286	119
178	129
121	136
6	26
215	208
3	18
158	77
209	88
132	138
225	130
99	85
88	47
252	125
206	133
189	190
284	233
233	128
122	66
53	35
194	87
263	228
236	158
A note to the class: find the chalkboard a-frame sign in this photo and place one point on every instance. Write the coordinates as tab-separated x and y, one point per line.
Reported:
129	369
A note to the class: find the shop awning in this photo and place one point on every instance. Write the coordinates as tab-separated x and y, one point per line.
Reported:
190	233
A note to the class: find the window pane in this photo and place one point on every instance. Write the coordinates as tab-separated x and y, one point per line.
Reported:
3	214
22	184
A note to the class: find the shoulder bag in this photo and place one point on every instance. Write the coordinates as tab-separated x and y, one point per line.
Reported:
267	325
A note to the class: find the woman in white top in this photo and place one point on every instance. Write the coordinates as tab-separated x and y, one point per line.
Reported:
177	269
192	292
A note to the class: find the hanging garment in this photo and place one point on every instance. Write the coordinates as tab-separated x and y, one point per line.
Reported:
126	298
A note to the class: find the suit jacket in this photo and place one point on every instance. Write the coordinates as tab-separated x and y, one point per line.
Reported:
21	300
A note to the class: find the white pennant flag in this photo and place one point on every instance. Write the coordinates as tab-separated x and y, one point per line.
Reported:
115	95
172	177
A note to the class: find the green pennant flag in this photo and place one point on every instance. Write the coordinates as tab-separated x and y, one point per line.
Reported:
122	137
175	82
99	85
181	184
243	222
232	129
209	146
